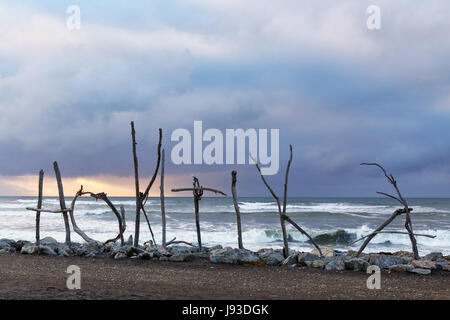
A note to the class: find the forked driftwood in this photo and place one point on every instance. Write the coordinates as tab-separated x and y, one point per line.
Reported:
197	192
236	208
62	201
141	198
406	210
282	212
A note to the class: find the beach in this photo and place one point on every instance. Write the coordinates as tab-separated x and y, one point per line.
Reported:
44	277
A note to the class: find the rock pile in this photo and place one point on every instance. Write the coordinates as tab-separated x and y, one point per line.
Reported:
332	260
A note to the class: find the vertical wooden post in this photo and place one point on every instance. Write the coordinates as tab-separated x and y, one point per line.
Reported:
62	201
138	195
197	221
163	209
39	206
236	208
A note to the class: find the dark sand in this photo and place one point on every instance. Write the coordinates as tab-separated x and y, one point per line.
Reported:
40	277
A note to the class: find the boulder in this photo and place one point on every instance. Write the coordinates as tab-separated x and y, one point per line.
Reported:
403	254
421	271
356	264
271	257
327	252
338	263
146	255
176	250
120	255
384	261
33	249
129	242
400	268
305	257
433	256
230	255
423	264
291	260
48	241
441	264
133	251
182	257
318	264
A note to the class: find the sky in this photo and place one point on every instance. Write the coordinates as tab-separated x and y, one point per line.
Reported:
340	93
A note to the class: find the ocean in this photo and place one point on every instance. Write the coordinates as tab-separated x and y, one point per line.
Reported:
334	222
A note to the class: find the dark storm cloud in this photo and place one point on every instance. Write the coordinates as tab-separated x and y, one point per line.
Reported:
339	93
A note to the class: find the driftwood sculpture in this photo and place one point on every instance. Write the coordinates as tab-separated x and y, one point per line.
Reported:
62	201
236	208
98	196
197	191
282	212
405	210
141	198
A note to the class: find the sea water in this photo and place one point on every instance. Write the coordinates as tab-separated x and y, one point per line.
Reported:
335	222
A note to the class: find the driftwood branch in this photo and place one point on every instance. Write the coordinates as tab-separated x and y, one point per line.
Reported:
39	206
162	199
406	210
178	242
136	182
236	208
47	210
62	201
124	227
72	218
395	232
152	180
283	225
197	191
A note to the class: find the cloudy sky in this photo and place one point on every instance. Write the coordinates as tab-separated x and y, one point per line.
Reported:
340	93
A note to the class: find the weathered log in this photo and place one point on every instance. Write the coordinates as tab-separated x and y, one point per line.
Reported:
204	188
163	207
236	208
39	206
136	181
62	201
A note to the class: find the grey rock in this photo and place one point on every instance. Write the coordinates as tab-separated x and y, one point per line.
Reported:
384	261
48	241
146	255
271	257
356	264
304	257
338	264
129	242
400	268
441	264
176	250
182	257
433	256
291	260
33	249
421	271
120	255
234	256
327	252
319	264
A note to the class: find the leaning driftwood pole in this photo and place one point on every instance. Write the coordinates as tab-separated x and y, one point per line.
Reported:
39	206
283	226
136	182
163	208
62	201
197	191
282	212
406	210
236	208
